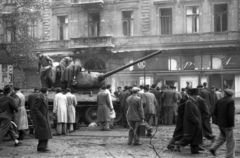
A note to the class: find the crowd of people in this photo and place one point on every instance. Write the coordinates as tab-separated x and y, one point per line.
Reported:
192	110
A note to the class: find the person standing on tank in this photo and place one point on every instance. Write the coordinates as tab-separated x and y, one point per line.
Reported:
44	68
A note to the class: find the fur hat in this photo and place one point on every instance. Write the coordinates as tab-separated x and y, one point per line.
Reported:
228	92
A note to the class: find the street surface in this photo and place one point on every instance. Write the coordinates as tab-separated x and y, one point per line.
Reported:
90	142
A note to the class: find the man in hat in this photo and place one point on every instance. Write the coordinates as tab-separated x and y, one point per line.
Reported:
158	97
44	68
135	115
123	98
192	124
224	112
41	119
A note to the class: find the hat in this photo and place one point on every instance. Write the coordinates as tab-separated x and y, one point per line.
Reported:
199	86
135	89
229	92
193	91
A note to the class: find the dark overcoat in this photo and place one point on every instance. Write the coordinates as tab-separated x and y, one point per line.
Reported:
41	118
192	124
204	93
103	112
31	100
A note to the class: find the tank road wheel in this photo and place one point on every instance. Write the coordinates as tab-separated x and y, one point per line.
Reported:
118	115
91	115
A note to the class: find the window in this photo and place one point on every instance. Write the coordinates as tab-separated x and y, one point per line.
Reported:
63	27
174	63
93	24
166	21
127	23
220	17
10	32
193	19
32	28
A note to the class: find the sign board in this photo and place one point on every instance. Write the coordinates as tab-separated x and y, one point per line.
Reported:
142	64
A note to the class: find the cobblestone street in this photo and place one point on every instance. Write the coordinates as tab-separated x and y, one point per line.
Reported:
90	142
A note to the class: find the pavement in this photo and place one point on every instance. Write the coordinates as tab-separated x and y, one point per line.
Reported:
91	142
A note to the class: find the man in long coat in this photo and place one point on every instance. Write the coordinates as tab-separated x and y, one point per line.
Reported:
225	117
169	98
150	106
63	64
60	111
192	124
135	115
205	115
71	111
104	109
20	118
42	126
159	101
123	100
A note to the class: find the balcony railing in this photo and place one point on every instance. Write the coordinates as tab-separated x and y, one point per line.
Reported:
147	42
53	44
86	1
86	42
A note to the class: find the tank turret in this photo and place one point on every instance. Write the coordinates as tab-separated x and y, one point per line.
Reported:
96	80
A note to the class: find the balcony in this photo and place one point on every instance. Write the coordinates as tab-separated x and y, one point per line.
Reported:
53	45
178	41
88	42
89	4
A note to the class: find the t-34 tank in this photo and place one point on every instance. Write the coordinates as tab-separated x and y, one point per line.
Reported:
87	86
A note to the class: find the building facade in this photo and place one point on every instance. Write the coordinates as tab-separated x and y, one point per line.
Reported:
200	39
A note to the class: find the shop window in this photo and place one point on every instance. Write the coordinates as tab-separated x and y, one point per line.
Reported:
188	63
237	85
127	23
192	19
166	21
228	81
217	62
231	61
146	80
220	17
197	62
93	24
206	62
63	27
174	63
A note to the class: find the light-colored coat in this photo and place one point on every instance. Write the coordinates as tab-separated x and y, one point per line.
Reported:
103	113
21	116
60	107
151	103
71	111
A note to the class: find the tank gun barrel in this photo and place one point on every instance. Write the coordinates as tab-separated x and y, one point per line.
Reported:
102	77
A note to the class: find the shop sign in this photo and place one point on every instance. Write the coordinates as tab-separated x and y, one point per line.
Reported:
142	64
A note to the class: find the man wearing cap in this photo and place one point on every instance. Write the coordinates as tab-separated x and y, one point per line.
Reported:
224	113
192	124
41	119
135	115
44	68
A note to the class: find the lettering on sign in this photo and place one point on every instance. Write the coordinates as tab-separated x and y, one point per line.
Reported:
142	64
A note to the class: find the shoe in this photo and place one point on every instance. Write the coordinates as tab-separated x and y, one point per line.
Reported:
17	144
149	135
213	152
200	148
196	152
129	143
43	150
107	129
137	144
180	143
56	134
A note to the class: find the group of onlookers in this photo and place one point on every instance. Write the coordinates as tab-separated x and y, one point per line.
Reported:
191	110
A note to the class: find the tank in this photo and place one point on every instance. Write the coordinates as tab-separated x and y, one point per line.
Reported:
86	88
